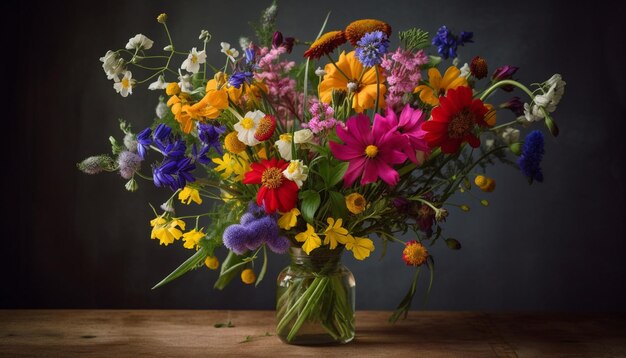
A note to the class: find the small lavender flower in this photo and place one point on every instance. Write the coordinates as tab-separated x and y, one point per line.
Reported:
371	48
447	43
143	142
128	163
210	135
532	153
238	78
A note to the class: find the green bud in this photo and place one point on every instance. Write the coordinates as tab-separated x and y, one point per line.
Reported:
484	202
467	184
132	185
116	148
465	208
516	148
453	244
124	126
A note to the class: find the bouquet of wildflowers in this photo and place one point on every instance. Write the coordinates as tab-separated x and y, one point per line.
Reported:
354	142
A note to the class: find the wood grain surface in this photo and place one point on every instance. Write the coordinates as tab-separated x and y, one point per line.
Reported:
138	333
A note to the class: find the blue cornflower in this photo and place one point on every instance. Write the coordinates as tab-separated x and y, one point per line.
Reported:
447	42
238	78
371	48
532	153
255	229
210	135
143	142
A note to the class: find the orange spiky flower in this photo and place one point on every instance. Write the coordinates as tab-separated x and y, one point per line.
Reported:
359	28
325	44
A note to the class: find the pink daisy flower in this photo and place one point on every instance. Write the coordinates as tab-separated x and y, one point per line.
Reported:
371	152
409	126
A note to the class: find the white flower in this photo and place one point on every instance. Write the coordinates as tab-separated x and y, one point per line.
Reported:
297	172
320	72
184	82
533	114
168	48
125	86
161	110
193	61
510	135
112	64
159	84
230	52
489	143
246	127
139	42
303	136
465	70
352	86
204	35
244	43
284	146
167	206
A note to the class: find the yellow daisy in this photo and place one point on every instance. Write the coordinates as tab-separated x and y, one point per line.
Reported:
438	86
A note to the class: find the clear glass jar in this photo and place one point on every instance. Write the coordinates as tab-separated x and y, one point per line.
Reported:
315	299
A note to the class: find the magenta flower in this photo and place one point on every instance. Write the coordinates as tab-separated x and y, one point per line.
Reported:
409	126
371	152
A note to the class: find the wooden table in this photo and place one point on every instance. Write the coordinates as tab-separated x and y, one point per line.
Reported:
106	333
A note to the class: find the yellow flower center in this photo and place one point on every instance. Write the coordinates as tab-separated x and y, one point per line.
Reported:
194	58
125	83
462	124
285	137
293	166
371	151
233	144
247	123
272	178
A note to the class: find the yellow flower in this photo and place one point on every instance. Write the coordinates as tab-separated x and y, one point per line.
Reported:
289	219
192	238
309	238
189	194
212	262
485	184
225	165
438	86
335	233
356	203
166	231
233	144
364	96
172	89
247	276
361	247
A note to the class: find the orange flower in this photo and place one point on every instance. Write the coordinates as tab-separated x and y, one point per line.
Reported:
438	86
180	104
490	117
364	92
358	28
325	44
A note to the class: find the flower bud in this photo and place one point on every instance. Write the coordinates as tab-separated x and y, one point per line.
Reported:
303	136
204	35
277	39
96	164
465	208
162	18
132	185
212	262
320	72
478	67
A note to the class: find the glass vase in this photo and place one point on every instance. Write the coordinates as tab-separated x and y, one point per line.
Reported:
315	299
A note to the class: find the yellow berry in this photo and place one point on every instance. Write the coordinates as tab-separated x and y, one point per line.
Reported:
480	181
172	89
212	262
247	276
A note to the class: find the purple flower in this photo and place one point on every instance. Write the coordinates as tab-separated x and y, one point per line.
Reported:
143	142
174	173
532	153
128	163
238	78
279	41
515	105
210	135
447	43
172	150
371	48
255	228
505	72
162	132
200	156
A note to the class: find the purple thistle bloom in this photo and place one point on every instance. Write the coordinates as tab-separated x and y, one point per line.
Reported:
371	48
532	153
238	78
447	43
210	135
235	238
143	142
255	228
278	244
129	163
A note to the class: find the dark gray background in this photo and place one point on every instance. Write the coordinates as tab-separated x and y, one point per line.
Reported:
83	241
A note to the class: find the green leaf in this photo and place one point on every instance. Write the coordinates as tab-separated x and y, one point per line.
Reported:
453	244
405	305
336	174
310	203
337	204
263	268
414	39
191	263
228	272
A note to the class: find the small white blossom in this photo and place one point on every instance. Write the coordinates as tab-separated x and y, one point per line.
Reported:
465	70
531	114
230	52
284	146
455	62
161	110
167	206
303	136
124	86
159	84
204	35
320	72
297	172
352	86
193	61
247	126
112	64
489	143
244	43
139	42
184	82
168	48
510	135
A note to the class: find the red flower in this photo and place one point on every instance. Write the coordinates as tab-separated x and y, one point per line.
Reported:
454	121
276	192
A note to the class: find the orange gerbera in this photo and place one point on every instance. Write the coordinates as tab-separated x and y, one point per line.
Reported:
363	86
438	86
358	28
325	44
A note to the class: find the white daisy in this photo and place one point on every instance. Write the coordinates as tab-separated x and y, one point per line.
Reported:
193	61
297	172
246	127
230	52
284	146
139	42
125	86
159	84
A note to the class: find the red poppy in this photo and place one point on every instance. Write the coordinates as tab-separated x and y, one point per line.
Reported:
454	121
276	192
